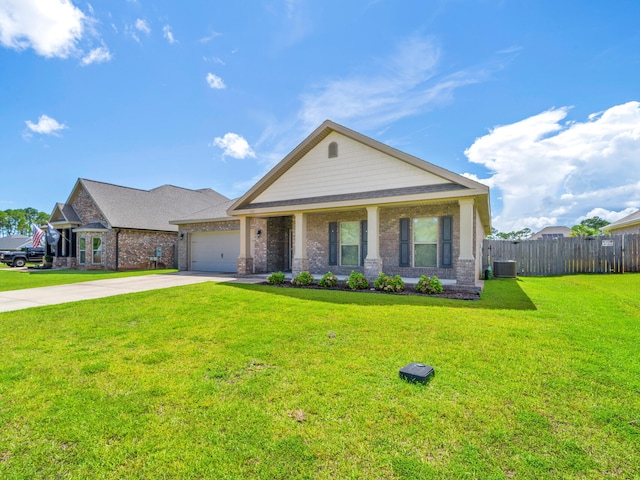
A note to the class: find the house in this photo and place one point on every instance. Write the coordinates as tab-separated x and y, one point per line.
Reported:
339	202
628	224
110	227
551	232
14	242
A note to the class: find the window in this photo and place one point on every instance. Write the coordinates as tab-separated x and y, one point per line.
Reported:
333	150
83	250
97	250
350	243
425	242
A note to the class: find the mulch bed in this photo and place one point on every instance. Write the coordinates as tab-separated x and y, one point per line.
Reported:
408	291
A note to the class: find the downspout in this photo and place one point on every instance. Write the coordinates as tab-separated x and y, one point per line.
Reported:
117	248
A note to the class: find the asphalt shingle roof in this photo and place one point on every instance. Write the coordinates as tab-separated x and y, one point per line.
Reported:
126	207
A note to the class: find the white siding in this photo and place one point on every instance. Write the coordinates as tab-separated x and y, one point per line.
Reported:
357	168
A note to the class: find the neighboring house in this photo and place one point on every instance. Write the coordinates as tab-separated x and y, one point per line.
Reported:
628	224
14	242
551	232
110	227
341	201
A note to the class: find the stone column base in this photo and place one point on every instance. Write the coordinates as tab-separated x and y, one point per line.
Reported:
245	266
372	268
466	272
299	265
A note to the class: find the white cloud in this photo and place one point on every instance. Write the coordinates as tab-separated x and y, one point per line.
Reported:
45	126
143	26
215	81
390	88
168	34
608	215
544	164
51	27
234	146
97	55
210	37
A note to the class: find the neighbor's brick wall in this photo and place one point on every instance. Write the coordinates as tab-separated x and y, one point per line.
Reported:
136	246
85	207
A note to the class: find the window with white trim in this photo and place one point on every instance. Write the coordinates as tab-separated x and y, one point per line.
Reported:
425	242
97	250
350	243
82	250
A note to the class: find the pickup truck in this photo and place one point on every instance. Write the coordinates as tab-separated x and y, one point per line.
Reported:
20	259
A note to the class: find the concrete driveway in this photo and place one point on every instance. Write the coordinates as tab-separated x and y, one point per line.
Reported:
37	297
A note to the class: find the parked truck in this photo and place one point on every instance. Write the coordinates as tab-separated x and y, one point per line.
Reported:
20	259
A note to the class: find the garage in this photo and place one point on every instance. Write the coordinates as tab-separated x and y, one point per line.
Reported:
215	251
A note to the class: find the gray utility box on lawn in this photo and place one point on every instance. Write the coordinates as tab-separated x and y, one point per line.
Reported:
416	372
505	269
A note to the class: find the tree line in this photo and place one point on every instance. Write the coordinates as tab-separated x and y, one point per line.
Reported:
589	227
19	220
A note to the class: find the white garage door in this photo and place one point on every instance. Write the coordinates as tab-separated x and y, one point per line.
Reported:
215	251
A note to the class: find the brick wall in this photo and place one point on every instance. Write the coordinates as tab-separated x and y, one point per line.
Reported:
318	238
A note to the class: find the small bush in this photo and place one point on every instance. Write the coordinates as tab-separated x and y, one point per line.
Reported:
429	285
276	278
328	280
389	284
356	281
303	279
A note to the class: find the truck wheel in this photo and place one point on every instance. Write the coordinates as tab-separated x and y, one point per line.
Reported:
19	262
9	265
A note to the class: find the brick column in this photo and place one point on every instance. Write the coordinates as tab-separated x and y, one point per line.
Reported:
373	262
245	261
300	259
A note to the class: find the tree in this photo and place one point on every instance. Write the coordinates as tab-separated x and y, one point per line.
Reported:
589	227
515	235
19	221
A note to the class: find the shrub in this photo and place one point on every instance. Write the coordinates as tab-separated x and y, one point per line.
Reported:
356	281
389	284
303	279
429	285
276	278
328	280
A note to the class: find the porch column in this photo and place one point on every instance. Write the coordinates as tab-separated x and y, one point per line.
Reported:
245	261
373	262
466	267
300	260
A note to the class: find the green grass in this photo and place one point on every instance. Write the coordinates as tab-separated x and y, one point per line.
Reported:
13	279
539	379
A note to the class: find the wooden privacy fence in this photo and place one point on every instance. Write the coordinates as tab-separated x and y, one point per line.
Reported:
561	256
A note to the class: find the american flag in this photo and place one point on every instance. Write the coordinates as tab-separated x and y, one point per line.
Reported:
37	236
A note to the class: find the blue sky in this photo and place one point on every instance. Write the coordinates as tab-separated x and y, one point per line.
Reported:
537	99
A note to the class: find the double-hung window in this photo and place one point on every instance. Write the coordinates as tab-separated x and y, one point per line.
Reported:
350	243
83	250
425	242
97	250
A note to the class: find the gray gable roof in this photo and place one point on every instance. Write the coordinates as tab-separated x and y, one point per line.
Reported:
623	222
126	207
14	242
65	213
213	213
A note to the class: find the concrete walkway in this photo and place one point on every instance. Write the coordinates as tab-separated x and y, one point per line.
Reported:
37	297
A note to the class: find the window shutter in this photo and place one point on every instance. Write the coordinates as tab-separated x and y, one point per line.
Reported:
447	242
405	242
363	241
333	243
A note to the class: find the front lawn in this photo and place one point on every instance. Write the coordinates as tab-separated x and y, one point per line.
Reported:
538	379
14	279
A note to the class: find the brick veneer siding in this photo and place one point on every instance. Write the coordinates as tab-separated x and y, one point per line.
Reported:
318	239
277	244
86	209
